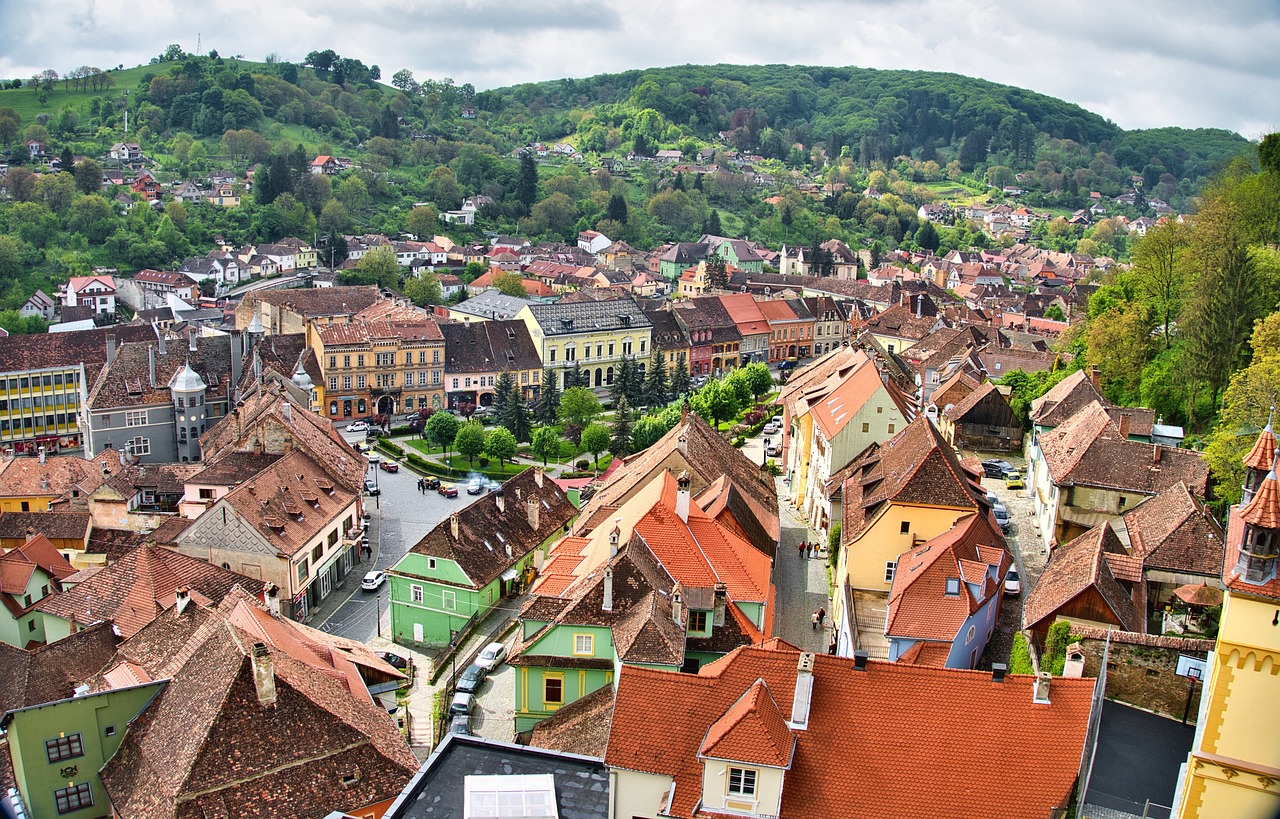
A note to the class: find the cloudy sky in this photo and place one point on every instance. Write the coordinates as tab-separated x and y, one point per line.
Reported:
1141	64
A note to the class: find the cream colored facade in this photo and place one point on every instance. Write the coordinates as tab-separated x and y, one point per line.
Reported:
1234	766
597	352
766	801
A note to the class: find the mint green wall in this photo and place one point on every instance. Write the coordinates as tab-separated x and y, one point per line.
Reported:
90	717
437	620
754	612
578	682
55	629
18	631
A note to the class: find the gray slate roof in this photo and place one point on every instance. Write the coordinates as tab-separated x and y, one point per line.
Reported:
589	316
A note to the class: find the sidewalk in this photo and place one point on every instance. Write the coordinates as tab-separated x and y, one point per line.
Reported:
350	584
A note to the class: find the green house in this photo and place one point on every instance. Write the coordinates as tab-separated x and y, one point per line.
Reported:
463	568
28	574
59	747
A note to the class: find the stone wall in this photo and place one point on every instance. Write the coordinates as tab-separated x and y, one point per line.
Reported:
1141	668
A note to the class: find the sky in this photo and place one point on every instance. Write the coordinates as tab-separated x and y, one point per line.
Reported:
1138	63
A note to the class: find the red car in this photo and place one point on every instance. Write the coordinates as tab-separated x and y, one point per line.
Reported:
389	466
447	490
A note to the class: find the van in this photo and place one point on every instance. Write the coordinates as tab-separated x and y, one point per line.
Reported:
777	419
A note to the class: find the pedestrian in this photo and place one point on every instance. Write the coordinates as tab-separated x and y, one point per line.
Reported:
802	550
809	546
814	621
822	614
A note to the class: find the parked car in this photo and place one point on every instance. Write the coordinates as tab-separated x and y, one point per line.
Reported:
371	488
389	466
358	426
770	428
462	703
460	724
448	490
1013	480
774	451
394	660
786	364
472	678
1012	581
492	656
431	482
475	486
992	499
373	581
996	468
777	419
1002	516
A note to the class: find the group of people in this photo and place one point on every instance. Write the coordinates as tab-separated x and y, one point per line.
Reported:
818	617
807	549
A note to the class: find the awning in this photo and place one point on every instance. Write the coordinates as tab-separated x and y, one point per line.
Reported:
510	574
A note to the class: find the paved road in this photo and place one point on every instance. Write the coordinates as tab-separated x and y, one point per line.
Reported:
1137	759
802	586
402	515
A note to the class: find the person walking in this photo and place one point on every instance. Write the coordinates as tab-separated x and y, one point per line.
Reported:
822	614
802	550
814	621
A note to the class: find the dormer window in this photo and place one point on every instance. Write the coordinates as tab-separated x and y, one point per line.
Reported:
953	586
742	782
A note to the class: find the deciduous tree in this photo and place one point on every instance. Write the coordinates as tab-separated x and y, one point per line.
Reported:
500	444
470	441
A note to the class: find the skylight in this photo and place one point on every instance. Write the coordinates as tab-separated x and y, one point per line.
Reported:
528	795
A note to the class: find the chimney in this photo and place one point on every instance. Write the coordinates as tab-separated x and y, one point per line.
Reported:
264	678
151	365
31	534
111	348
453	526
286	410
721	602
1155	454
1126	421
1095	378
997	672
160	336
607	605
1041	691
682	496
532	511
191	340
181	598
804	691
684	416
237	359
272	596
919	306
500	501
537	477
859	661
42	456
677	603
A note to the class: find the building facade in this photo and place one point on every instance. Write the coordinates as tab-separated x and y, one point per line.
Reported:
379	367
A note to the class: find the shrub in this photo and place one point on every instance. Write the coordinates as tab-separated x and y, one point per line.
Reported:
738	442
582	465
483	461
1055	648
1020	656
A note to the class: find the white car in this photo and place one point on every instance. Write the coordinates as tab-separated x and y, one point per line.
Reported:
358	426
770	428
373	581
1012	582
492	656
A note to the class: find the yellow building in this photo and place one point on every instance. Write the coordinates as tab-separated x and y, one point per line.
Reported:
594	335
899	494
1234	766
378	367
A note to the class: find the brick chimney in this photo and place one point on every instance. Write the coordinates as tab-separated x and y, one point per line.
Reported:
453	526
537	476
1155	454
264	677
1040	693
181	599
1095	378
111	349
1126	423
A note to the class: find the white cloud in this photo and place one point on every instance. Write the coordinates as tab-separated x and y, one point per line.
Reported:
1181	62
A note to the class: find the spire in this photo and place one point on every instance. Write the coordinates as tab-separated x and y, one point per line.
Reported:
1261	458
1263	509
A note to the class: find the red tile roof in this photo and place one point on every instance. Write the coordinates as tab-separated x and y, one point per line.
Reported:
1174	531
1263	454
933	742
1263	508
1230	574
1073	569
753	730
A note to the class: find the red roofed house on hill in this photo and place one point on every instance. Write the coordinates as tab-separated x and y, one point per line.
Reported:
771	731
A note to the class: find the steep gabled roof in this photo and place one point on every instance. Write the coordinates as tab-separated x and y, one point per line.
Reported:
1076	567
1173	531
753	731
51	672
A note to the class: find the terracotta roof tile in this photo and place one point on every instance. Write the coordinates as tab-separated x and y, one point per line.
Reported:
916	769
1263	509
1263	454
51	672
753	731
1174	531
1076	567
581	727
1230	570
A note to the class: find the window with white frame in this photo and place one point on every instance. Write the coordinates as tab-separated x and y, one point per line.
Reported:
139	446
333	383
890	567
953	586
346	382
415	594
449	599
742	782
584	644
135	418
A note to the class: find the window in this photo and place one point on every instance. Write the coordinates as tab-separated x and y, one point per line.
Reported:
906	527
333	383
346	382
553	689
317	552
742	782
408	357
302	570
866	427
359	361
361	383
64	747
333	362
449	599
384	359
973	631
1123	501
697	621
552	351
431	563
346	362
415	594
206	493
584	644
135	418
74	797
891	429
435	356
139	446
953	586
890	567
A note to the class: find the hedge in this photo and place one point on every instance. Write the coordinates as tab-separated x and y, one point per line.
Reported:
1020	656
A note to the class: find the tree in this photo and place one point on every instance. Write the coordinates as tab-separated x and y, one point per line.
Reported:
500	444
1054	312
353	193
403	79
680	377
470	441
620	442
527	182
927	236
1246	405
595	439
442	185
1159	273
334	217
617	209
88	176
56	190
10	125
578	407
504	392
557	213
621	379
545	444
712	225
1119	345
758	378
442	428
424	289
717	272
547	409
510	284
715	402
422	222
379	266
1268	152
657	388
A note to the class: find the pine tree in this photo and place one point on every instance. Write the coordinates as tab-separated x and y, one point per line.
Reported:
548	399
527	185
576	377
712	225
617	210
656	386
621	378
620	442
680	377
633	388
518	419
503	395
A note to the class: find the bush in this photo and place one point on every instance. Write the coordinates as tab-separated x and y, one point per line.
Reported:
738	442
582	465
483	461
1055	648
1020	656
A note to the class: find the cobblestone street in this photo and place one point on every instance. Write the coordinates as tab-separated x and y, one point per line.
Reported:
802	586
